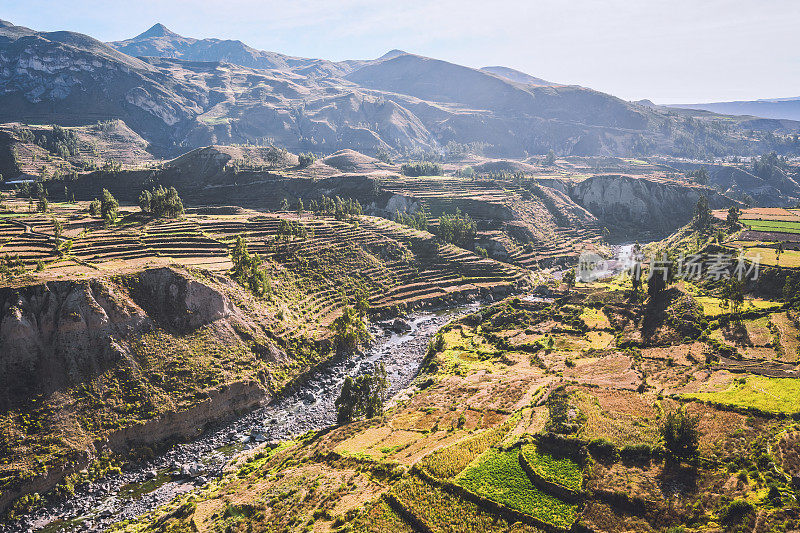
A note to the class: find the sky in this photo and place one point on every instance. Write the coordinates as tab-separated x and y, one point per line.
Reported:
668	51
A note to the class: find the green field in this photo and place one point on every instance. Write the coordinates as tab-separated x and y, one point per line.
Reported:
499	477
560	470
773	225
771	395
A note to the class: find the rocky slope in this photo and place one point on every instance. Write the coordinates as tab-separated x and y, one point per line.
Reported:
626	202
112	363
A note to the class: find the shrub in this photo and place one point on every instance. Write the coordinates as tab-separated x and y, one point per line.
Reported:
109	207
422	168
602	448
247	269
680	435
458	229
94	208
735	512
305	160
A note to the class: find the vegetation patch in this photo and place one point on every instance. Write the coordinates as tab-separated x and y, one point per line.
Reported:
498	476
769	395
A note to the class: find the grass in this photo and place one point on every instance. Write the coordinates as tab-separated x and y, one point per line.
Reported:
766	256
498	476
771	395
595	318
560	470
772	225
712	306
448	462
442	511
599	340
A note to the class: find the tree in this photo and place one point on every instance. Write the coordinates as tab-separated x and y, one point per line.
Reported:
349	330
700	175
458	229
284	205
94	208
569	278
305	160
109	207
778	252
300	208
247	269
58	229
161	202
680	435
422	168
733	215
363	396
145	199
659	277
468	172
550	159
702	213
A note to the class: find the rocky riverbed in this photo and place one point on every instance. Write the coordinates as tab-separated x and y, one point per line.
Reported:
400	345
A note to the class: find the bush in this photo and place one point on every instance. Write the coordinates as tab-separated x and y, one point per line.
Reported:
458	229
680	434
247	269
735	512
305	160
422	168
418	220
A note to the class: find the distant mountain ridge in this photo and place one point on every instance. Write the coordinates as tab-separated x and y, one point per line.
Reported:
180	93
774	108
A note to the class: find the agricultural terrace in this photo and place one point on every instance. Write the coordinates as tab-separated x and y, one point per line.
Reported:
315	264
518	418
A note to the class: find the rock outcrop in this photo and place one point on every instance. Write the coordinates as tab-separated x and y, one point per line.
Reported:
57	333
649	205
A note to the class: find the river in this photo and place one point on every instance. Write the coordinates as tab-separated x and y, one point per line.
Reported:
188	466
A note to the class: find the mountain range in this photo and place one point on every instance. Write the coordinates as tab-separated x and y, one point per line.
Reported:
775	108
180	93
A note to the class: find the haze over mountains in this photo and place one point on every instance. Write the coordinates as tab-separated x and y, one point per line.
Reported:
777	108
180	93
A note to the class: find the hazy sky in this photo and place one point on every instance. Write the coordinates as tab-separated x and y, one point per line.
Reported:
669	51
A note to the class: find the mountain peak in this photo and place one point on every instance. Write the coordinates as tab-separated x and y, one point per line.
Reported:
156	30
391	54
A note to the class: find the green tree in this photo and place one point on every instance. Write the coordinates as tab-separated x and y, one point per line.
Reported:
305	160
300	208
458	229
733	215
94	208
58	229
702	213
161	202
680	435
145	199
422	168
109	207
363	396
247	269
569	279
284	205
550	159
349	330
